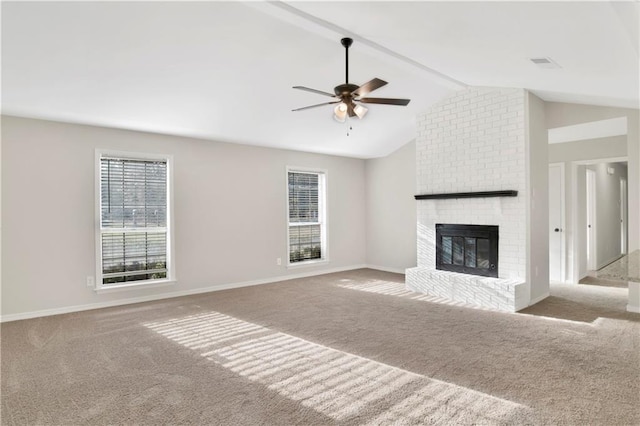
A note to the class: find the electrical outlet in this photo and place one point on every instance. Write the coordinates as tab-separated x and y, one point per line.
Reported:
279	261
91	281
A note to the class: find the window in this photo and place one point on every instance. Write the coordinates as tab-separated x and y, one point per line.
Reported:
306	211
134	220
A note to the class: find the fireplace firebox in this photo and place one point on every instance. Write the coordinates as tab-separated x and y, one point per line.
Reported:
468	249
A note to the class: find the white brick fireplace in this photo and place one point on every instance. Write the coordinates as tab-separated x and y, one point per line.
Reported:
476	141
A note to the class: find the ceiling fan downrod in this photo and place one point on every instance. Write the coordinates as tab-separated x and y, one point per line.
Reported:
345	91
346	42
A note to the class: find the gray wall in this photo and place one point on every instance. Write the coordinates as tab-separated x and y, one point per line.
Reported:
230	212
391	210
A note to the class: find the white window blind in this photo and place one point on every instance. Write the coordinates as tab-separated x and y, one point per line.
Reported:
306	216
133	220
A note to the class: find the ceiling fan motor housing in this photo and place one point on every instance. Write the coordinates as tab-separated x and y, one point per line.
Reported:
345	90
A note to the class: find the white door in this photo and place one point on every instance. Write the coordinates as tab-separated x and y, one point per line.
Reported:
556	222
623	216
591	220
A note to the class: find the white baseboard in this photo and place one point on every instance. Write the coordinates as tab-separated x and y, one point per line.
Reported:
635	309
90	306
386	269
539	299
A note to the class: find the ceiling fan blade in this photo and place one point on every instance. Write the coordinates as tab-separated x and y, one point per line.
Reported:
315	106
319	92
369	87
386	101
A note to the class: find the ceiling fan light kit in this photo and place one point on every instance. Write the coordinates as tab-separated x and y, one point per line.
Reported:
360	110
350	96
340	112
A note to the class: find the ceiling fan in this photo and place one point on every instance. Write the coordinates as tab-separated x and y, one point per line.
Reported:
350	97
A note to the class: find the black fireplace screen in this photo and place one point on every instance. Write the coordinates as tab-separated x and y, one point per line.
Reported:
468	249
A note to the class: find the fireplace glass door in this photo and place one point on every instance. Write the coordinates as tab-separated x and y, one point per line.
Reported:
469	249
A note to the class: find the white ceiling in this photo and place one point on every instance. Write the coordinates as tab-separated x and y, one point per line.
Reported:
224	70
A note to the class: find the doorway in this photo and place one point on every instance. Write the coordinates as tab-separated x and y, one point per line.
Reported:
600	219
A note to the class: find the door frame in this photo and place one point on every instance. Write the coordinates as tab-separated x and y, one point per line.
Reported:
563	222
624	211
592	220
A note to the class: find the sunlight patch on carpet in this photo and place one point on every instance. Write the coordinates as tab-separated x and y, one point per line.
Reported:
399	290
337	384
395	289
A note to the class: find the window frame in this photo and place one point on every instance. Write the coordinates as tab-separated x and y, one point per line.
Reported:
323	180
171	274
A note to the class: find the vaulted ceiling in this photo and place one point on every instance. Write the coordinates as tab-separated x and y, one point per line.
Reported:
224	70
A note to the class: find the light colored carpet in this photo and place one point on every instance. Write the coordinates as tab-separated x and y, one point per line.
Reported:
348	348
607	283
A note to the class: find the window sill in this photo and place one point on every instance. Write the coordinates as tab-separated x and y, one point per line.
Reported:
137	286
307	263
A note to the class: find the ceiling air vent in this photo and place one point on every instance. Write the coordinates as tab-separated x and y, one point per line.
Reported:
544	62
